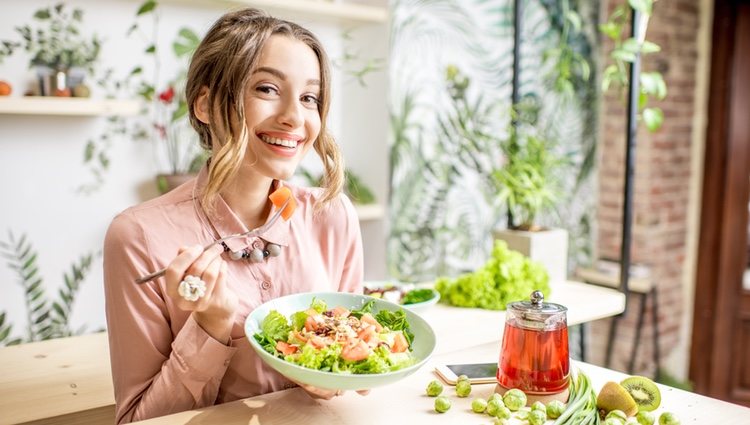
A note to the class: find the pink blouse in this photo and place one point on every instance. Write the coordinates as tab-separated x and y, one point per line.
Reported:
162	361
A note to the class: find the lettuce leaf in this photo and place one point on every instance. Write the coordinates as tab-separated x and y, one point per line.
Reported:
395	321
273	328
367	308
506	276
318	305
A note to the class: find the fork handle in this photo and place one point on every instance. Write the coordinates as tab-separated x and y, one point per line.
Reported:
152	276
160	273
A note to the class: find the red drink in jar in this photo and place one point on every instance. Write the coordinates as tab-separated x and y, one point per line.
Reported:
534	360
534	356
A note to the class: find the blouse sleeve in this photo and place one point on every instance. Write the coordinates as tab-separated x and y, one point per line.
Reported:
154	371
352	273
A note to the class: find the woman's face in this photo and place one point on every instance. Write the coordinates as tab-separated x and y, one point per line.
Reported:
281	107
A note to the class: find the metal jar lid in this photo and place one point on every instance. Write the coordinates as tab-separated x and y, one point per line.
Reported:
536	313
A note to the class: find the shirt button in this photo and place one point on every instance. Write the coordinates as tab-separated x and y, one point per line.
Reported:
258	244
265	285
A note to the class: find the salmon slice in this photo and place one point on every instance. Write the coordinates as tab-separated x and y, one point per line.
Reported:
279	196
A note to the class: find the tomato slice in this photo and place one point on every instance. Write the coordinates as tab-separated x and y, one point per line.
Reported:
359	351
399	343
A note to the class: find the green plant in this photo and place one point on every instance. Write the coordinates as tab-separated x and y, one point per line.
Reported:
351	62
626	49
354	187
506	276
569	66
56	42
528	181
164	116
46	319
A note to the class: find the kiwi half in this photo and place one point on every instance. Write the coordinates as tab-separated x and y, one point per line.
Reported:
643	390
614	397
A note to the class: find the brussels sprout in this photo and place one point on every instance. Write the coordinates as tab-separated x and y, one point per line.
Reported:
442	404
613	421
619	414
493	406
463	388
538	405
503	413
555	408
479	405
434	388
462	378
498	397
668	418
537	417
522	414
514	399
645	418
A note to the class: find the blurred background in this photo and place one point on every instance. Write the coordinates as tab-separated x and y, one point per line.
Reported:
457	119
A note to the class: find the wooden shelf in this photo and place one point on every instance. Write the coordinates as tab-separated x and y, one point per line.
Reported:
66	106
370	212
304	10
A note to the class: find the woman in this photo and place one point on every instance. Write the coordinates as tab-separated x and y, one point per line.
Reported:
258	89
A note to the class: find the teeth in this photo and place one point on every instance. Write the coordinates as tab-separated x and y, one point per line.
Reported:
280	142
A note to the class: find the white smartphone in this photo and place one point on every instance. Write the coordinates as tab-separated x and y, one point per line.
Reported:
478	373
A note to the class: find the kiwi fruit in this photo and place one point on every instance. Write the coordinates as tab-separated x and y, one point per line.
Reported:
614	397
643	390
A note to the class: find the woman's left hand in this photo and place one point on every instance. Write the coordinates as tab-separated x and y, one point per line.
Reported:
324	394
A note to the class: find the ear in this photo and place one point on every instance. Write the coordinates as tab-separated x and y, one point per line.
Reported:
200	107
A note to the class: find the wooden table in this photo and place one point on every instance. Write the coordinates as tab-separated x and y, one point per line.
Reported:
406	402
68	381
60	381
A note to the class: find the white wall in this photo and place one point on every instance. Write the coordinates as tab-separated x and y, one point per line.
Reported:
42	156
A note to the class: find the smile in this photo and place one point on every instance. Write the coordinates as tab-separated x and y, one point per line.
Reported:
279	142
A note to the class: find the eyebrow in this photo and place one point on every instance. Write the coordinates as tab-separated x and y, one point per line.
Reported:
281	75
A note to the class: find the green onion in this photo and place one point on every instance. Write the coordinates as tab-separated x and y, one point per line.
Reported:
581	408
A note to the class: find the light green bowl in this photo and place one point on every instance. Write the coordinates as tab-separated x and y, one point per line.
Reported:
423	344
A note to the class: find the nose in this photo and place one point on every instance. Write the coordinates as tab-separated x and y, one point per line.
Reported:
290	114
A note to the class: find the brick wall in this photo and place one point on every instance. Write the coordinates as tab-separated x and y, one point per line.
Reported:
661	185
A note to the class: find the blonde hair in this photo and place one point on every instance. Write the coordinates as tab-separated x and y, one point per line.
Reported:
223	63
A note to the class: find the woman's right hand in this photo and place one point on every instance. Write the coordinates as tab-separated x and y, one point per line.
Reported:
215	310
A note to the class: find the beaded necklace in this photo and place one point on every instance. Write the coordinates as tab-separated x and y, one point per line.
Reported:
255	255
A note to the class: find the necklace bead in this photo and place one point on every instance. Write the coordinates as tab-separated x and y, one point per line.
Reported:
256	255
273	249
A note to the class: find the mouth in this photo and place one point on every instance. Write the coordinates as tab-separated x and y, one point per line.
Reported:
281	142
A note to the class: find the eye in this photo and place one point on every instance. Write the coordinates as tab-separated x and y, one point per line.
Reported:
310	99
266	89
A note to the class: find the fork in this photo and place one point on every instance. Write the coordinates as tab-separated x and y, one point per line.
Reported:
250	233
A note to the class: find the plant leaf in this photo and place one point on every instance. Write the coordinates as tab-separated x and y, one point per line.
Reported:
649	47
146	7
653	117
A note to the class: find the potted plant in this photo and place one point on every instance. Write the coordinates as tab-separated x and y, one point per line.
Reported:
528	185
60	53
166	110
177	139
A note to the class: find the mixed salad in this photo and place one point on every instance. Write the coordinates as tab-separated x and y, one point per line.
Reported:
339	340
400	295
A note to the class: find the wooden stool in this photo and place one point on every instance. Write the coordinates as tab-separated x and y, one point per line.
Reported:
644	288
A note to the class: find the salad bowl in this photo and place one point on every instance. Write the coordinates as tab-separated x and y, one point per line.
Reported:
421	349
415	297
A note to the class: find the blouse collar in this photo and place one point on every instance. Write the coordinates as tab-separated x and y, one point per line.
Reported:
225	222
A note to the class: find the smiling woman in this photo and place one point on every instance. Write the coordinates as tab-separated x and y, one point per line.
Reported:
258	92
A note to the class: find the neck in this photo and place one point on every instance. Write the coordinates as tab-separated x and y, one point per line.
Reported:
248	198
